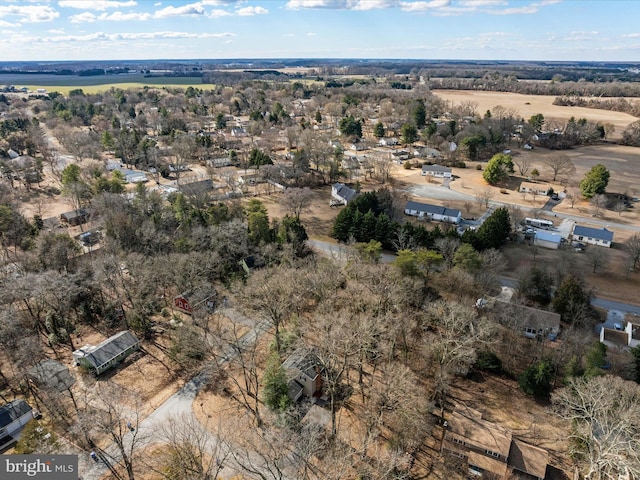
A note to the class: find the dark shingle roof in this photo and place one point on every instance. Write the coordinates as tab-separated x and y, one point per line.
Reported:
111	347
344	192
433	209
599	233
12	411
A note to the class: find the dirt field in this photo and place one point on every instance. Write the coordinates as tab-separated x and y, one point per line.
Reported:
528	105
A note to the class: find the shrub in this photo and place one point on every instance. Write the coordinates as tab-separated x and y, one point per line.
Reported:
478	167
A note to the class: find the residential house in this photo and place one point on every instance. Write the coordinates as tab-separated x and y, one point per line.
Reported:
303	374
75	217
50	373
614	338
546	239
13	416
107	354
627	338
187	302
490	449
219	162
198	187
238	132
532	322
400	155
388	142
432	212
594	236
436	171
535	188
342	194
131	176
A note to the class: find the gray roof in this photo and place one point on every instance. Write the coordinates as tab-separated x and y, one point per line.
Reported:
301	361
53	374
432	209
436	168
344	192
11	411
113	346
548	236
599	233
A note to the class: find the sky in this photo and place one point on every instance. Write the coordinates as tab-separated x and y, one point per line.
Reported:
572	30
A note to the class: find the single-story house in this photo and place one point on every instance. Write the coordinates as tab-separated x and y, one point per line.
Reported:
51	374
188	301
388	142
342	193
546	239
13	416
436	171
238	132
614	338
629	337
537	188
594	236
400	155
198	187
303	374
75	217
433	212
219	162
131	176
533	322
107	354
490	448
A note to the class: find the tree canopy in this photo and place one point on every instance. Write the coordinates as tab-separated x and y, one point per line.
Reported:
595	181
498	169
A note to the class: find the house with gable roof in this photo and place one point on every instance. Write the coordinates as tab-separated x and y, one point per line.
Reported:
107	354
432	212
437	171
594	236
342	194
13	416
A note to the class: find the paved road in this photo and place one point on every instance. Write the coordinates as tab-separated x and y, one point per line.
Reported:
181	402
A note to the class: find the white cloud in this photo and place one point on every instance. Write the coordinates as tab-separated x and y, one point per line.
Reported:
311	34
157	4
84	17
482	3
189	9
342	4
217	13
99	5
7	24
29	13
251	11
424	6
56	31
297	4
130	36
524	9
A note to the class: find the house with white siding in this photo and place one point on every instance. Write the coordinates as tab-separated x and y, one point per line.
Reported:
432	212
13	416
594	236
437	171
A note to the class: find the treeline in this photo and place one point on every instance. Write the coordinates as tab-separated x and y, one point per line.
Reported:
369	217
613	104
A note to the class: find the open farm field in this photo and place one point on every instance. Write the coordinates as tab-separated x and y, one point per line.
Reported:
528	105
98	83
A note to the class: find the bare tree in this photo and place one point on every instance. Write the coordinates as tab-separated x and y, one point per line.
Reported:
523	162
597	257
572	194
447	246
598	202
620	207
604	416
560	164
483	197
190	450
116	413
632	246
297	200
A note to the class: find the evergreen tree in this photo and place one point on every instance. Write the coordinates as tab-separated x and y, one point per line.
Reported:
378	130
570	299
495	230
536	380
595	181
275	390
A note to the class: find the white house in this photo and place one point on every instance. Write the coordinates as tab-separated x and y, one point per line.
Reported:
537	188
433	212
13	416
436	171
594	236
342	193
107	354
388	142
